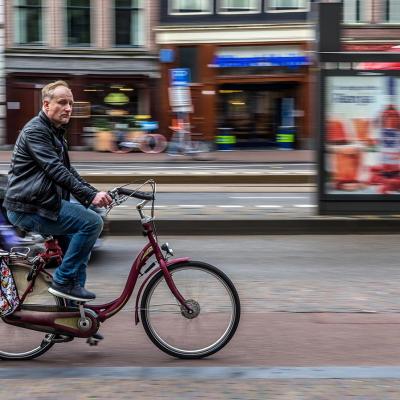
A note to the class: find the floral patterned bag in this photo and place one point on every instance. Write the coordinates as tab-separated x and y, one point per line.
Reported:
9	299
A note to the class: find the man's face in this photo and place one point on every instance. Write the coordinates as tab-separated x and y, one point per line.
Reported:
59	108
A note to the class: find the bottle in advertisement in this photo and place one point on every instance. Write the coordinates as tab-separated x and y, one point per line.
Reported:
390	132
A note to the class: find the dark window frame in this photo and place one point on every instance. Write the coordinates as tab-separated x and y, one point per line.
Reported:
18	9
69	8
131	9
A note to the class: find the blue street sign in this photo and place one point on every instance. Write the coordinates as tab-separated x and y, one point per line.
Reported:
167	55
180	76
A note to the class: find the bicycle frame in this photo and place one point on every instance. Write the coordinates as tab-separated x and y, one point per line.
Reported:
106	311
59	321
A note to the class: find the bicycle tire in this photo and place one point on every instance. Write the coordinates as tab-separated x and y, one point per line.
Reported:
153	143
14	336
156	325
118	148
200	150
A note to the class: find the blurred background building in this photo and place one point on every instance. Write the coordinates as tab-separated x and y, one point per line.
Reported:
103	48
250	61
371	25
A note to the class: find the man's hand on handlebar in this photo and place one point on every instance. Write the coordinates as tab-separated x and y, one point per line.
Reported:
102	199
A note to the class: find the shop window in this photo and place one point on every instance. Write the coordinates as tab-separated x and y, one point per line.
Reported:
391	11
239	6
288	5
191	6
355	11
81	109
129	23
28	22
115	100
78	22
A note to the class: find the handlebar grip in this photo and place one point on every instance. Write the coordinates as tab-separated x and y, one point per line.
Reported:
135	193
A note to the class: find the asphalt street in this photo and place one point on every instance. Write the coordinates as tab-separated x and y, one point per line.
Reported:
320	320
107	166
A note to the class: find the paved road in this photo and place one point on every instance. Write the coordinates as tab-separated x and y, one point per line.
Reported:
185	166
320	320
213	200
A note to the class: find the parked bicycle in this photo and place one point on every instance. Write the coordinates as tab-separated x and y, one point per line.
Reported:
189	309
182	143
125	141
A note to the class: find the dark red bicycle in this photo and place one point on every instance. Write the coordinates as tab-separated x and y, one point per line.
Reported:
189	309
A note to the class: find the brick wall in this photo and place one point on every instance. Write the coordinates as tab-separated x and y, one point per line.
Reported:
101	20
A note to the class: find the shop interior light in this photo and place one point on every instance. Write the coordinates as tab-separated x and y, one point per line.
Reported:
126	89
142	116
238	103
223	91
93	90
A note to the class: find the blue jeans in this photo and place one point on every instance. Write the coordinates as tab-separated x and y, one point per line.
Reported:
82	226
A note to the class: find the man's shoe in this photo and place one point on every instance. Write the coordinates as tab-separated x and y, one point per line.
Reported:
71	291
79	293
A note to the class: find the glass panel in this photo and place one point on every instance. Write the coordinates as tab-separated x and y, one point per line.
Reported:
354	11
288	4
128	23
30	3
78	3
393	11
78	22
137	28
122	3
28	20
240	5
179	6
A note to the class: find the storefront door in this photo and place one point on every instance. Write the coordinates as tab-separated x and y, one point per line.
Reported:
256	112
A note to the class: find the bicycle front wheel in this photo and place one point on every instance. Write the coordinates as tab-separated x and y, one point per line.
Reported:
18	343
213	300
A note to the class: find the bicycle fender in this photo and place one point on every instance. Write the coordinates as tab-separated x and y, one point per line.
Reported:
144	283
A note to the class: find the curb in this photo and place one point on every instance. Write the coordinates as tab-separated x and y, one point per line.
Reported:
304	226
202	179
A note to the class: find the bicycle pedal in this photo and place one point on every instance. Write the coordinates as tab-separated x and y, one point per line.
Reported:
92	341
62	338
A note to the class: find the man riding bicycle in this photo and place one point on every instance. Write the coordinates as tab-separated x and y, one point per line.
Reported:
40	183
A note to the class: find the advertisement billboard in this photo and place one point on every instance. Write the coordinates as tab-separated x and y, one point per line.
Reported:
361	141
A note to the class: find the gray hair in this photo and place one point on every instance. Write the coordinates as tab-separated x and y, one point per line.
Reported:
48	90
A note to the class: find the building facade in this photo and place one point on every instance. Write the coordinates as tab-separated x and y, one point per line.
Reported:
250	66
371	25
104	49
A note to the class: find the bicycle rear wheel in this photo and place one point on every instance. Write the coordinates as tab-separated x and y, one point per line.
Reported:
24	344
213	299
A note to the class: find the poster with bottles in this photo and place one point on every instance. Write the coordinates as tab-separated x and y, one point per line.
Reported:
362	135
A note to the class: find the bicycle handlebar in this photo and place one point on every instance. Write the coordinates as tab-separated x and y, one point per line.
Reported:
135	193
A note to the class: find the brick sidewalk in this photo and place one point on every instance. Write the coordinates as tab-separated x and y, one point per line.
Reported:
247	156
82	389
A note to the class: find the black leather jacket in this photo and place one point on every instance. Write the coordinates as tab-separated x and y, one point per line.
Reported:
40	175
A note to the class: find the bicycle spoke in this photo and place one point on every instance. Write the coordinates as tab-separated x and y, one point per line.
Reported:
210	324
